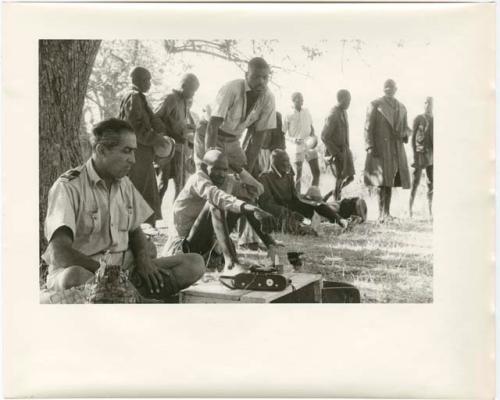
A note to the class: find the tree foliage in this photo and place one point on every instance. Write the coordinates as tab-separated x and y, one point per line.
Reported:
111	74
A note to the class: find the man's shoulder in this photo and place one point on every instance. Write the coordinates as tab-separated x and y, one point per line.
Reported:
419	118
234	85
401	105
69	181
72	174
173	96
334	112
268	175
377	102
198	176
268	95
131	93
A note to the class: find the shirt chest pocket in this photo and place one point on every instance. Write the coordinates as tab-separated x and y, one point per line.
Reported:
126	216
90	222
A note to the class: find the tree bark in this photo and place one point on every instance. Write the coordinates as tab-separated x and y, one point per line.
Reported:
64	71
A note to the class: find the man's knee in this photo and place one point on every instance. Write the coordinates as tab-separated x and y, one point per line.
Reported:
72	277
194	266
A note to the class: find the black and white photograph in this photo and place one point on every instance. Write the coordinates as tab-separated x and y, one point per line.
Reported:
236	170
239	200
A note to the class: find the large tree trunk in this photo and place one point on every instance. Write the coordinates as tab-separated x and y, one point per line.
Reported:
64	71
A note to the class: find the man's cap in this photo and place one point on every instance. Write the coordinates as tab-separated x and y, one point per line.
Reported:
214	155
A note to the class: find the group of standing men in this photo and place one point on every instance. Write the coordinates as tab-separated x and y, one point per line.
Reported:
95	209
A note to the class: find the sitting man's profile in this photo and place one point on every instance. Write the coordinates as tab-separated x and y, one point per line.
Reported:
94	210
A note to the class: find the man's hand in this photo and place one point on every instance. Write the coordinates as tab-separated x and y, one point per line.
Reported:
265	219
151	274
261	215
297	217
330	159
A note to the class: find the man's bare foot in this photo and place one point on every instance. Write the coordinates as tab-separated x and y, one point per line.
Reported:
233	269
343	223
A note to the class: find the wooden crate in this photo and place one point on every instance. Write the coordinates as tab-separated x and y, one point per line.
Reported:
305	288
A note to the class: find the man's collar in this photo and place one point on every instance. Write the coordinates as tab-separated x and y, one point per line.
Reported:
247	87
134	87
178	93
93	175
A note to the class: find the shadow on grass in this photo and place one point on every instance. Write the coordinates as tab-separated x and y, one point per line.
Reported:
389	262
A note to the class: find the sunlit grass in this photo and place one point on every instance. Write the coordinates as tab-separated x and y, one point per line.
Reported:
388	263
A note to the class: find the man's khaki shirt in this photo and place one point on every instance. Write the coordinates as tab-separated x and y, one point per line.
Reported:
100	219
231	105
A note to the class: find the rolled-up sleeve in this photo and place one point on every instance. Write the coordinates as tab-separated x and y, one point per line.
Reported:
223	102
141	211
218	198
267	118
61	209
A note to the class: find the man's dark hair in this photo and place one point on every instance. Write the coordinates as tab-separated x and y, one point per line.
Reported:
258	63
342	93
108	132
138	72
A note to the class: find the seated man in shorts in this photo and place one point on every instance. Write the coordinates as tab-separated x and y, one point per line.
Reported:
205	212
280	197
94	210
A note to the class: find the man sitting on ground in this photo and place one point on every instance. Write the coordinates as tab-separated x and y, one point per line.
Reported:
280	197
95	210
205	213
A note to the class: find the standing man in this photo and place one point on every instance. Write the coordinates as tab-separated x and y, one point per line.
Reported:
239	104
422	143
385	132
274	139
95	210
335	136
174	115
298	127
135	109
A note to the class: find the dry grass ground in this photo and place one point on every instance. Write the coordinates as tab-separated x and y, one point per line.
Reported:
389	263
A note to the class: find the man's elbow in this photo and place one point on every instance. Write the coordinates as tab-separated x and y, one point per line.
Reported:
56	254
